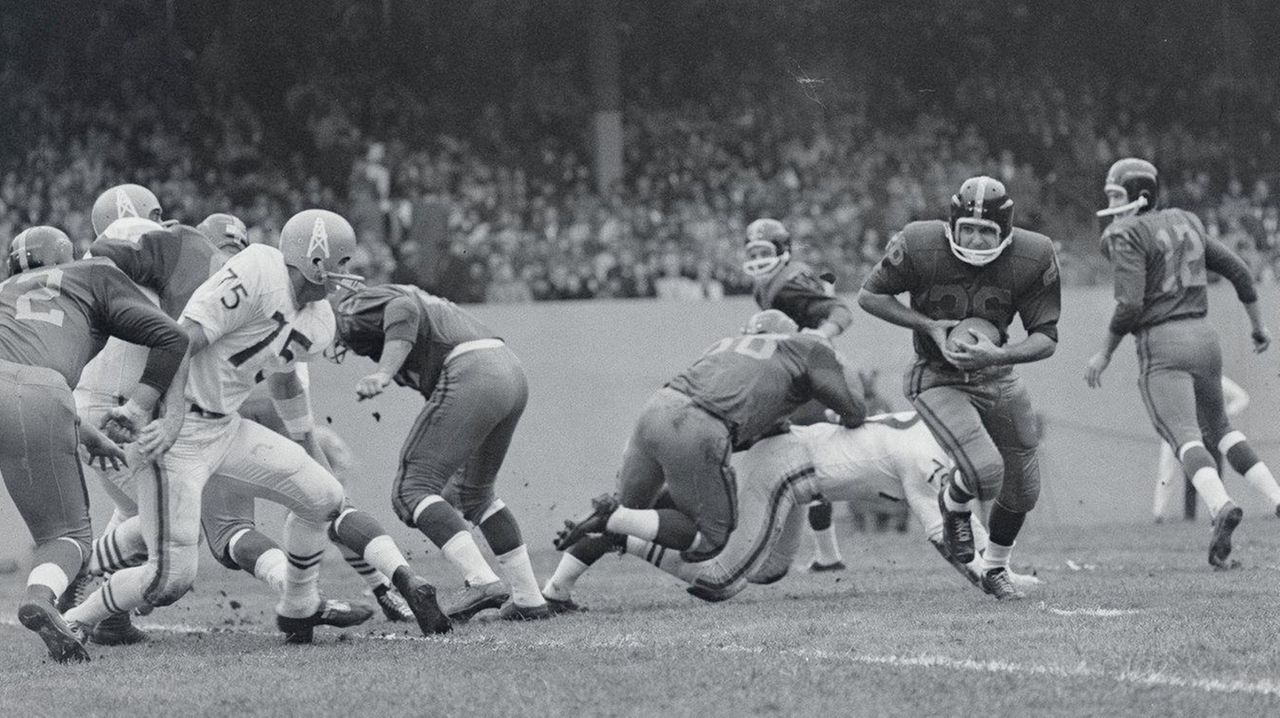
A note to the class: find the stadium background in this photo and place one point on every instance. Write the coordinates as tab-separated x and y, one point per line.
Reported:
516	151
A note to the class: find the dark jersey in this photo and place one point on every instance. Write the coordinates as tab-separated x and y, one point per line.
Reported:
796	292
751	382
60	317
173	262
374	315
1161	262
1023	280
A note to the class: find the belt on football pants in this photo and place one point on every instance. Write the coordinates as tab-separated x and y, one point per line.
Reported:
204	413
473	345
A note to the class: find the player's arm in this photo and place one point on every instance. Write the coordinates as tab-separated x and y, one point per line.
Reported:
130	316
836	384
1219	258
1039	306
292	403
1130	264
148	263
805	299
401	320
893	275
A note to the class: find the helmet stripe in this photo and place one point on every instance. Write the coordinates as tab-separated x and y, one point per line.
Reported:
979	195
20	249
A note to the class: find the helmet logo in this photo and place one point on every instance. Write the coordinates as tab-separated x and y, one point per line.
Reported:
319	239
124	205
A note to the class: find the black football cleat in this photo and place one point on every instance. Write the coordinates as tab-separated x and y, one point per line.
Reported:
512	611
117	630
421	597
602	507
820	567
568	605
474	599
81	586
65	641
957	534
997	583
338	614
710	595
1224	525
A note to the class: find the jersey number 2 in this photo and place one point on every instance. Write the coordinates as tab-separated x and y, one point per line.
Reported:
50	289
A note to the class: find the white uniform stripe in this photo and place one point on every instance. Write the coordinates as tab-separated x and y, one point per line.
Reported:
980	194
20	248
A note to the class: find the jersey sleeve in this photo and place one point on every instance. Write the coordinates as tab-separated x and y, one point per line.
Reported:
401	319
228	299
1220	259
149	263
836	384
1041	305
1130	264
128	314
894	273
803	299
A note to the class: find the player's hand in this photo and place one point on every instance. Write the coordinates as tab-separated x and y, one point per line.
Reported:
937	331
372	385
1261	339
123	423
156	437
101	449
980	354
1094	367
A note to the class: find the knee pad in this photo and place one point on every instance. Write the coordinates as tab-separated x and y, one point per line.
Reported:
172	581
324	497
987	479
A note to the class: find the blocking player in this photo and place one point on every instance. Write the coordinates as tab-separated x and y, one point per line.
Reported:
475	390
792	288
261	313
54	316
975	265
1160	258
124	201
741	388
891	455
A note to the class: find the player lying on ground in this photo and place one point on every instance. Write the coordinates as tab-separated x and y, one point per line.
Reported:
260	314
740	389
794	289
891	455
475	391
1160	258
55	315
976	265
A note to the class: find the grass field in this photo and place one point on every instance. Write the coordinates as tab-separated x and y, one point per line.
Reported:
1131	621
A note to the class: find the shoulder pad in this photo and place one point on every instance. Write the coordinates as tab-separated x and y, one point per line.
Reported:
924	231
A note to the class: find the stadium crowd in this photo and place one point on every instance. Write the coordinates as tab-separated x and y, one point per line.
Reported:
511	184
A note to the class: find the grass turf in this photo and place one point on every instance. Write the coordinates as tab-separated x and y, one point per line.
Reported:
1131	621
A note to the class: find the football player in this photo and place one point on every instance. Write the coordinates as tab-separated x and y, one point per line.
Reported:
54	317
891	455
792	288
741	388
1160	258
262	312
121	201
475	390
977	264
1170	483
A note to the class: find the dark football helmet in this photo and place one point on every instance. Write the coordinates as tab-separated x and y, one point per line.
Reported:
766	233
1133	187
983	201
39	247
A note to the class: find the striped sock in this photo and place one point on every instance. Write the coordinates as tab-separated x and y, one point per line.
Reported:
372	576
119	547
304	542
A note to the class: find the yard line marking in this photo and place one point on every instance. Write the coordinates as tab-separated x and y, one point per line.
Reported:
629	640
1095	612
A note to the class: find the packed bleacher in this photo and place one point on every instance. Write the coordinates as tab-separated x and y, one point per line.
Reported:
844	140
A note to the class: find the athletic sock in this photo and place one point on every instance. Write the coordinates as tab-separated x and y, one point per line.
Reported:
641	523
519	574
270	567
1209	485
996	556
462	551
304	542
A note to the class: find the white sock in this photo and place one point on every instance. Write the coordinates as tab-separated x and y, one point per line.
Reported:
384	556
996	556
825	548
1260	478
121	593
952	504
560	585
305	543
641	523
462	551
270	569
1209	485
51	576
519	573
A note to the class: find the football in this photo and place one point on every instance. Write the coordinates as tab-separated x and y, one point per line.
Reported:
959	334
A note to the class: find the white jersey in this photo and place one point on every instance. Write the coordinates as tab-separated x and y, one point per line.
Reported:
247	312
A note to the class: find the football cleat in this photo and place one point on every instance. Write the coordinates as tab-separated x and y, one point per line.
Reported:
421	597
764	579
997	583
394	608
338	614
64	640
1220	545
117	630
602	507
957	534
969	574
512	611
474	599
568	605
81	586
820	567
710	595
